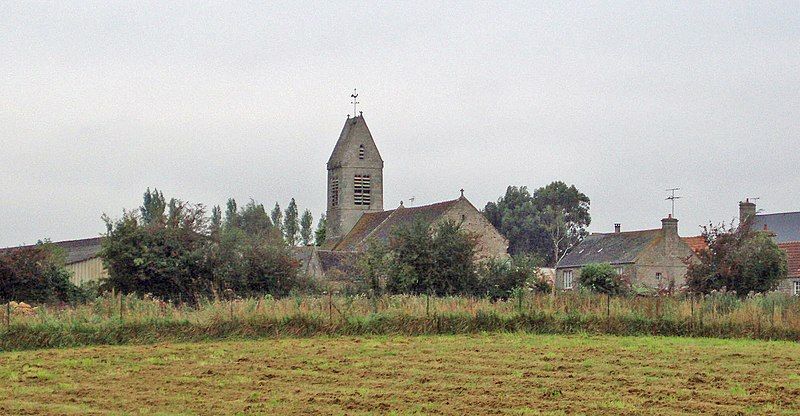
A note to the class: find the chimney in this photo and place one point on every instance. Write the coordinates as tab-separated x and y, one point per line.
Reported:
617	228
747	210
669	226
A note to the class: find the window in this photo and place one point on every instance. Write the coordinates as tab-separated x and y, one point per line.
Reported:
567	279
361	151
619	270
334	192
796	290
658	277
361	190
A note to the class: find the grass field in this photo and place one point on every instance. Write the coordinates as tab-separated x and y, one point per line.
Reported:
475	374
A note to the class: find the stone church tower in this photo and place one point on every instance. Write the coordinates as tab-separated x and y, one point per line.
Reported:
355	178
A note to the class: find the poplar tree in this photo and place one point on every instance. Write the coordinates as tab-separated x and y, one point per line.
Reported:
321	232
277	216
291	226
306	222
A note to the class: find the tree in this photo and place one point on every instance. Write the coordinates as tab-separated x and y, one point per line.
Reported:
514	215
231	214
291	227
153	207
603	278
373	266
546	224
741	260
321	231
563	214
437	261
182	258
499	278
306	222
254	220
277	216
34	274
216	219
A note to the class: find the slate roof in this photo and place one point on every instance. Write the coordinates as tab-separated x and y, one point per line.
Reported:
792	249
379	225
785	225
76	250
614	248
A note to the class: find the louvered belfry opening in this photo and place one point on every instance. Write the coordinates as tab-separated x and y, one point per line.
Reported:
361	190
334	192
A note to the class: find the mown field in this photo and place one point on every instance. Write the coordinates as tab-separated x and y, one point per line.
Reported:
457	374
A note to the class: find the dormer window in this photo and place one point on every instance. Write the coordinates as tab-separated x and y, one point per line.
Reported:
361	151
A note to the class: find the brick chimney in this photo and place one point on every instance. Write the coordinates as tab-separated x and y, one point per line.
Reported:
669	226
747	210
617	228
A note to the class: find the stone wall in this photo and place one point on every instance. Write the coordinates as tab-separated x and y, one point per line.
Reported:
490	244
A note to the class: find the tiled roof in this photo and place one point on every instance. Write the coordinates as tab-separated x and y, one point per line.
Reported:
785	225
792	249
696	243
380	225
76	250
614	248
365	225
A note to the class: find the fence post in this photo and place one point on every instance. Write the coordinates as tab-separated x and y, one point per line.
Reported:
427	304
330	306
608	305
8	315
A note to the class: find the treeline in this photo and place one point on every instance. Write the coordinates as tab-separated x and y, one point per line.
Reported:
175	251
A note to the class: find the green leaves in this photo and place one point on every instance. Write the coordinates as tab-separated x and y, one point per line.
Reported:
603	278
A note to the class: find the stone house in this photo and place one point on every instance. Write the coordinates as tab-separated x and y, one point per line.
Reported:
785	229
655	258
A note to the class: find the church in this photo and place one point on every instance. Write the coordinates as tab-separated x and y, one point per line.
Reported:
355	209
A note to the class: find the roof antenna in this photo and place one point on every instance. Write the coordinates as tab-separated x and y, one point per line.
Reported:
411	201
355	102
672	198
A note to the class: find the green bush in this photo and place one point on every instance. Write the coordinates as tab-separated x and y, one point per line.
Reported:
603	278
34	274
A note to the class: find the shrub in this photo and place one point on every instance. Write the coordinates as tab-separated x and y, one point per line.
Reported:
34	274
603	278
741	260
438	261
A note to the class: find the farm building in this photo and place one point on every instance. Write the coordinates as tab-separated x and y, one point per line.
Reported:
82	259
655	258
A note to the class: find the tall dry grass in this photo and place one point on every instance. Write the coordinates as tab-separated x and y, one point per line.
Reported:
116	319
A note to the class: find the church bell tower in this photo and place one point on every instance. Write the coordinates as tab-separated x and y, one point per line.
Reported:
355	178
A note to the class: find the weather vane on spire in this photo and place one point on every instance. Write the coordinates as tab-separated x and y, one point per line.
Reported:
355	102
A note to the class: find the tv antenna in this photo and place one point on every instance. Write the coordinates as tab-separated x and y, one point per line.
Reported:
672	199
355	102
411	201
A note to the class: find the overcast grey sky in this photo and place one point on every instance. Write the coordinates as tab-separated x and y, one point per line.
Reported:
208	101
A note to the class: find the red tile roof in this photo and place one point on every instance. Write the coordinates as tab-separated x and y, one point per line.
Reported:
697	243
792	249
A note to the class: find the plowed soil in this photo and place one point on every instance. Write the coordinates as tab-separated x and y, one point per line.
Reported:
478	374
